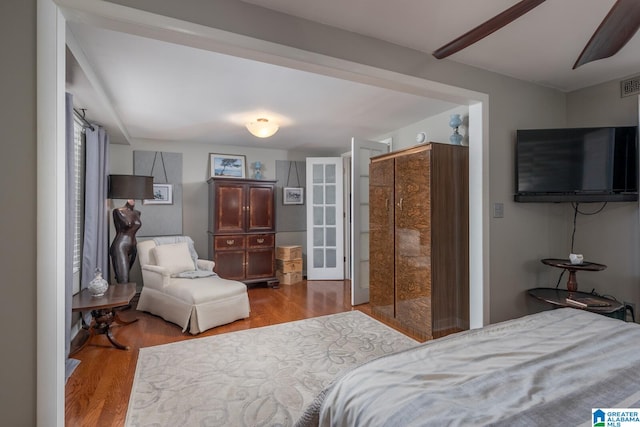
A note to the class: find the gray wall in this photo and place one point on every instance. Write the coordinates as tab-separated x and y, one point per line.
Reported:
195	196
166	168
526	233
291	218
612	236
18	223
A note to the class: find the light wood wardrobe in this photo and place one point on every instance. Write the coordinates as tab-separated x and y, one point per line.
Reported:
419	241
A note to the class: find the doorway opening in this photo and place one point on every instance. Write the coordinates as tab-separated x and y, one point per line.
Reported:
119	18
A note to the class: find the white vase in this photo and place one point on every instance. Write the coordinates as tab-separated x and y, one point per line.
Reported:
98	286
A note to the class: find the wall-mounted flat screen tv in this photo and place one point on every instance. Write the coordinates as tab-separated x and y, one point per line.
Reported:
577	165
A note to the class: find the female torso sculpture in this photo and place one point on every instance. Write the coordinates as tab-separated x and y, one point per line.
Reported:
123	248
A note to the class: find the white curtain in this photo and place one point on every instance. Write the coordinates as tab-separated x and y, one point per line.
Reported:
95	250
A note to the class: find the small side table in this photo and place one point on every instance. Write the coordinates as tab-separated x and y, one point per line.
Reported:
558	298
572	283
103	310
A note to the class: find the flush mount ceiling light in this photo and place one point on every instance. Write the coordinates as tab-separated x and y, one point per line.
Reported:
262	128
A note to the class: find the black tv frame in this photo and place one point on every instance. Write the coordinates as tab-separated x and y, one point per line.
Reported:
575	198
580	197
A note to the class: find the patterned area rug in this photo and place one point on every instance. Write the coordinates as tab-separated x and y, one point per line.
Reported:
257	377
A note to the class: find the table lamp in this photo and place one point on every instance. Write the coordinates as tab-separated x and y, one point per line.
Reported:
126	220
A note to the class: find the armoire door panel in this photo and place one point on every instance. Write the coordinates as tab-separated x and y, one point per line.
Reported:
381	229
260	263
413	240
260	208
413	294
229	205
230	264
412	191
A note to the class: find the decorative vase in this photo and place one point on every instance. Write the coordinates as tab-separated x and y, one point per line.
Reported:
454	122
258	168
98	286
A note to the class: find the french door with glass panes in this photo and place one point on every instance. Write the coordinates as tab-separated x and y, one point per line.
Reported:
325	250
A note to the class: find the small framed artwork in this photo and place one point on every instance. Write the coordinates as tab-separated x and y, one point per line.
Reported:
162	195
293	195
227	166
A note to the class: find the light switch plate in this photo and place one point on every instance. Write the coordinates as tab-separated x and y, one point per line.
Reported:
498	210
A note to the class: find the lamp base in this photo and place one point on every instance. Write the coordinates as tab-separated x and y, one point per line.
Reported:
456	138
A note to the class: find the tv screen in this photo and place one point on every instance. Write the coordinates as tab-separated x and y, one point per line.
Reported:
576	165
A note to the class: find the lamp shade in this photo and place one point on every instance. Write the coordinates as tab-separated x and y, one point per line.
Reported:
130	187
262	128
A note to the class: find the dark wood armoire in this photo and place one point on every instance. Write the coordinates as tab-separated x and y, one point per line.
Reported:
242	229
419	241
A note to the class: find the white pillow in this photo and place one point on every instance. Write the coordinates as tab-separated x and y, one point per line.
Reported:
175	257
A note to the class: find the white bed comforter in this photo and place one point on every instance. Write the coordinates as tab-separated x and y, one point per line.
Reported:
545	369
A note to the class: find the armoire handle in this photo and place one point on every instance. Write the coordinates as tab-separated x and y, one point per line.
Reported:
260	240
230	241
400	203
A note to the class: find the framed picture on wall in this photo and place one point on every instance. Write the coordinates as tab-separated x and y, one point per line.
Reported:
162	195
227	166
293	195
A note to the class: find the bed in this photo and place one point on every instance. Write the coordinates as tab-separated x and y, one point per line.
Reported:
542	369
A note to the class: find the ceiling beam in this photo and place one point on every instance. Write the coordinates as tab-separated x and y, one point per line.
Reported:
95	82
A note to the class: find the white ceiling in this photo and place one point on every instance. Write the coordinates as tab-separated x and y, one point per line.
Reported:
164	91
540	46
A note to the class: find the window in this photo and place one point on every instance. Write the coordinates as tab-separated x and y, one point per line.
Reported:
77	192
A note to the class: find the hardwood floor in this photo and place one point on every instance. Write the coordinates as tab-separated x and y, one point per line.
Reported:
97	393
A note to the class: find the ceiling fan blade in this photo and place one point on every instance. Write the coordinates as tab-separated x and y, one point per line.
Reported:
486	28
617	28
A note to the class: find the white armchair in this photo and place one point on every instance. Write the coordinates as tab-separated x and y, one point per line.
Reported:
192	298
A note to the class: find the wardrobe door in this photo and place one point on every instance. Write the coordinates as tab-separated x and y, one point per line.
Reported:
260	263
260	207
229	206
413	241
381	229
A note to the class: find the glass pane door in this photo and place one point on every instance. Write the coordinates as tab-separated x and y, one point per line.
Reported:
325	252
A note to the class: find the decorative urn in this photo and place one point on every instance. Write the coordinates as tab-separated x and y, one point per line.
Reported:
98	286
